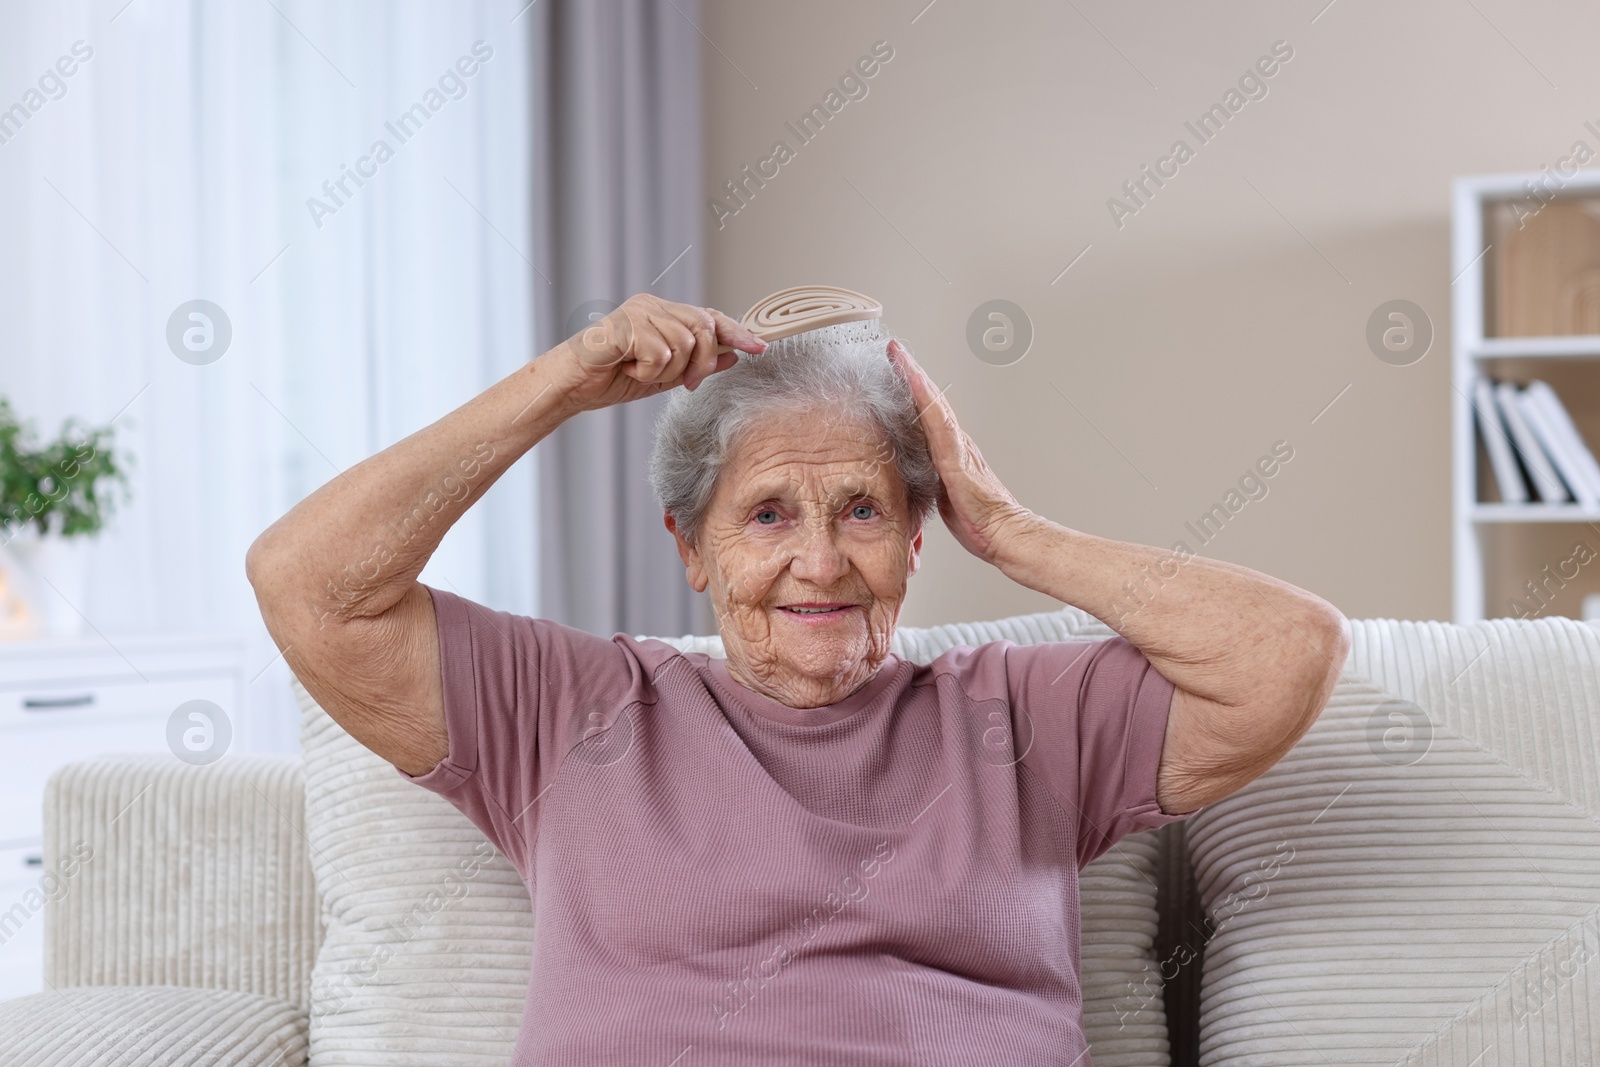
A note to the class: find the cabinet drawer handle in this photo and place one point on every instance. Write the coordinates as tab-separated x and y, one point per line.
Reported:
77	700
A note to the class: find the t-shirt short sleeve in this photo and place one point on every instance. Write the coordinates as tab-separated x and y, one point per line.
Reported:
519	694
1095	722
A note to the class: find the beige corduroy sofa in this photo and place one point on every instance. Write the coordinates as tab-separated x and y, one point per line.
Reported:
1417	883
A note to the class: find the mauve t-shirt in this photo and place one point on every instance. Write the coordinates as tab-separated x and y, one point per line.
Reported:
720	879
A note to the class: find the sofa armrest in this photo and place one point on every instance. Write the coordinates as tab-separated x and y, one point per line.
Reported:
162	873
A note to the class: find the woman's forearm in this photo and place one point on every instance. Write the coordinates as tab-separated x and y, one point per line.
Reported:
354	547
1216	629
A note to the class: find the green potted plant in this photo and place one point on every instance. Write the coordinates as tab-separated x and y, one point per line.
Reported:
54	498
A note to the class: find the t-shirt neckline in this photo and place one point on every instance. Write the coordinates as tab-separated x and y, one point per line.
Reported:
765	707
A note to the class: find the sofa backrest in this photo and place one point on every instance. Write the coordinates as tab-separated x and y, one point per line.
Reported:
163	873
1417	882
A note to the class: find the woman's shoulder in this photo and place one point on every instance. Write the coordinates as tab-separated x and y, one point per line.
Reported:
655	654
560	657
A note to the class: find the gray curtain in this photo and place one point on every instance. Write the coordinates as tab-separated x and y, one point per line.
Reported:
615	159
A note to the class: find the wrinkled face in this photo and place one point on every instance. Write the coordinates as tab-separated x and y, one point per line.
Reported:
805	551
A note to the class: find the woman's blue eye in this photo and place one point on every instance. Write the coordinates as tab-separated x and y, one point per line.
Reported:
862	511
763	517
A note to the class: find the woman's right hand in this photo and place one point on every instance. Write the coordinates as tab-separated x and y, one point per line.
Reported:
648	345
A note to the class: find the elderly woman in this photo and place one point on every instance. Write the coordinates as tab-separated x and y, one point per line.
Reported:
812	851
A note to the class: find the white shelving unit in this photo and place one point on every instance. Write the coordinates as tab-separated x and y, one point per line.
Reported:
1470	258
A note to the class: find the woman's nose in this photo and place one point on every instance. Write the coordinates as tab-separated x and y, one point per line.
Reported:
817	558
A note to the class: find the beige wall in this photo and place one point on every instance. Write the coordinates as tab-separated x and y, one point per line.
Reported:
1222	317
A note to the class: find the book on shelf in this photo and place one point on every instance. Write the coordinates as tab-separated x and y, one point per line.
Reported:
1587	468
1535	450
1513	490
1556	449
1541	475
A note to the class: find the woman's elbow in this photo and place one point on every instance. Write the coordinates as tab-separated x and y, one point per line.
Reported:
1323	641
1331	639
279	578
257	562
1316	646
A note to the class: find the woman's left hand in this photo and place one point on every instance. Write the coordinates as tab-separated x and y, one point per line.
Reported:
978	509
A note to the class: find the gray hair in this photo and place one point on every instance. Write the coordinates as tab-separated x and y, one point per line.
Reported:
843	369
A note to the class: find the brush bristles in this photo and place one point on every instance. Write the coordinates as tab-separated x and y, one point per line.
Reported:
859	334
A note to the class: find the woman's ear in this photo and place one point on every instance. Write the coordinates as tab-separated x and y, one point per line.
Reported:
693	569
916	551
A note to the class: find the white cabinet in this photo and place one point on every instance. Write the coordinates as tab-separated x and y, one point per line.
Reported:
69	699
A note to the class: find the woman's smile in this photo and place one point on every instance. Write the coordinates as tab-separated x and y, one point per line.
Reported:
817	614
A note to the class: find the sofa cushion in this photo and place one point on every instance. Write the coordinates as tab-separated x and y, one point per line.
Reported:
151	1026
429	929
1418	881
